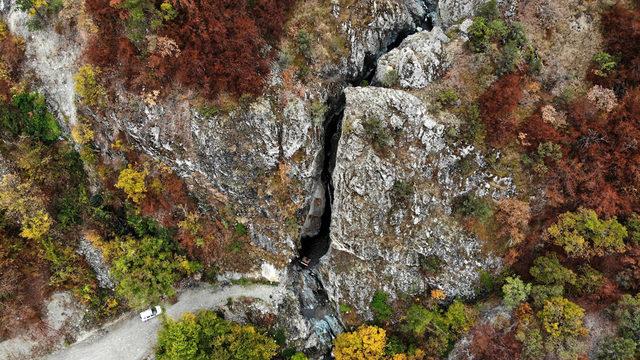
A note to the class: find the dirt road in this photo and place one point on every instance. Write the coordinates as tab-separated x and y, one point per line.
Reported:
132	339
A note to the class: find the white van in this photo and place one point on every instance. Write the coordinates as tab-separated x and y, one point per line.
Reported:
150	313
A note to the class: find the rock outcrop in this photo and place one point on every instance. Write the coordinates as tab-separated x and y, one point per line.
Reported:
420	59
396	179
265	157
453	11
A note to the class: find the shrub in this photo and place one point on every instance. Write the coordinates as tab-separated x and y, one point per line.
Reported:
542	293
633	227
532	344
402	191
88	87
380	307
447	98
517	34
513	215
510	58
479	35
23	204
459	318
589	280
476	207
627	315
417	319
304	44
132	182
443	329
299	356
206	336
377	133
605	63
28	114
497	104
475	130
430	264
548	270
498	30
562	319
318	111
82	134
367	342
143	17
39	10
394	346
488	10
515	291
616	348
583	234
145	269
629	277
390	78
36	226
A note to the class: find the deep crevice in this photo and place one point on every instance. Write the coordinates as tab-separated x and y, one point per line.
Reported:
314	300
315	246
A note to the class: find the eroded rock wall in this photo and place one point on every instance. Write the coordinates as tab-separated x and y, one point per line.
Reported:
393	201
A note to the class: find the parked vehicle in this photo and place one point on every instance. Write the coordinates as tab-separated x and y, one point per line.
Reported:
150	313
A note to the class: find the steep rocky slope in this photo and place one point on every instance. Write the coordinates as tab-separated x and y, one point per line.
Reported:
396	179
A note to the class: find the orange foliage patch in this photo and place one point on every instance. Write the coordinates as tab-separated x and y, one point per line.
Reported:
11	55
222	46
489	344
602	168
23	286
496	109
621	30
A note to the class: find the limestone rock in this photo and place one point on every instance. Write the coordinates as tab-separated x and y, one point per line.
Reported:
452	11
390	19
395	181
420	59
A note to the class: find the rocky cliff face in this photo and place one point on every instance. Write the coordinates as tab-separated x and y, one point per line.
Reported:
265	157
396	179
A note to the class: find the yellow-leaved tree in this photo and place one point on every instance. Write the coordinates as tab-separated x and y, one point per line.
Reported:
23	204
366	343
132	182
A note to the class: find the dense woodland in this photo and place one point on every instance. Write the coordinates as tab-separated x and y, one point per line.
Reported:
572	251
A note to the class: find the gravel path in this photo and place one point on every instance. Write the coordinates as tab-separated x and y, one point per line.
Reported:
132	339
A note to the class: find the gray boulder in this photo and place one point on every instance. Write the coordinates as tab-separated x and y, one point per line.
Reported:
420	59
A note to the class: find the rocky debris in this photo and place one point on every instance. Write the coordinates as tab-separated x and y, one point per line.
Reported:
396	179
452	11
600	327
63	309
94	258
52	59
63	321
319	322
420	59
464	29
